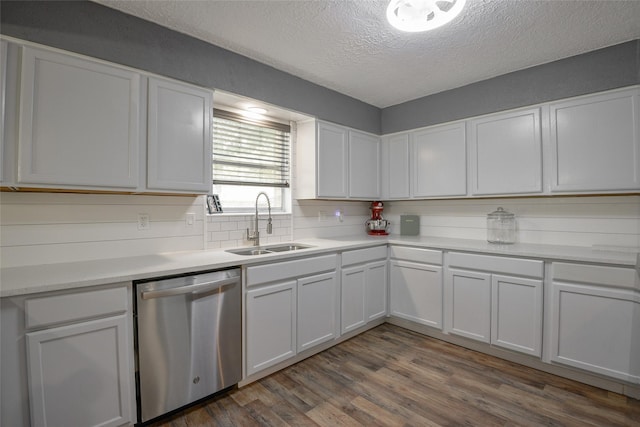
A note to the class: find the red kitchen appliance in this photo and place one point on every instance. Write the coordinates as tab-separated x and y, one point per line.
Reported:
377	225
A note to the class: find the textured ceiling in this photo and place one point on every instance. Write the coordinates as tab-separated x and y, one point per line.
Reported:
348	46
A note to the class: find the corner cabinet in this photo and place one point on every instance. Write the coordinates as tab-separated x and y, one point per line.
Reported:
595	319
595	143
336	162
178	137
394	168
79	122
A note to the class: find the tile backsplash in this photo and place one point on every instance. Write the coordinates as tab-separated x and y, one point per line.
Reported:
227	231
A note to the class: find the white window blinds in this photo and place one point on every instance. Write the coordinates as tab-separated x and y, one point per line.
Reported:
249	152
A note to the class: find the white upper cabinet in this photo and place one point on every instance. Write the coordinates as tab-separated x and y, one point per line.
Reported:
79	122
595	143
364	165
333	160
439	161
336	162
395	175
179	137
505	153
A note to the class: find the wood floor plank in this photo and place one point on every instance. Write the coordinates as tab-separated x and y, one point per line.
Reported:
392	377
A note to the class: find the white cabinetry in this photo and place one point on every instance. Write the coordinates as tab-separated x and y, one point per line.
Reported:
3	85
291	306
363	287
336	162
495	300
364	165
595	322
595	143
415	285
271	325
317	310
79	122
395	172
78	358
178	137
439	161
505	152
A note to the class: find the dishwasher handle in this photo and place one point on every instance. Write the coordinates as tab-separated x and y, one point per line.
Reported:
189	289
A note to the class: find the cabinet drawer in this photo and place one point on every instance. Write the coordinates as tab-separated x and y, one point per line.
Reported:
360	256
55	309
596	275
284	270
428	256
497	264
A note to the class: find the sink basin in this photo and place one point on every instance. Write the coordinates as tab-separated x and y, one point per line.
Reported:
285	247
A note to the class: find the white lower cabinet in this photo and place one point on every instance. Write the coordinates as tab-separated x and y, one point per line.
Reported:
469	308
317	310
363	287
76	374
416	287
291	306
496	300
596	320
271	325
67	358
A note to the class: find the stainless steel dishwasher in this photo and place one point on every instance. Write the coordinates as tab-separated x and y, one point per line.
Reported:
188	339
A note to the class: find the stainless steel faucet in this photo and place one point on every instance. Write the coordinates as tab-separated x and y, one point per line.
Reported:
255	236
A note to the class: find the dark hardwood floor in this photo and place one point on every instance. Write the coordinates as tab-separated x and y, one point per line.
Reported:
390	376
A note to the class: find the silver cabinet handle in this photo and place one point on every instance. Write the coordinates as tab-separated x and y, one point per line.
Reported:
198	287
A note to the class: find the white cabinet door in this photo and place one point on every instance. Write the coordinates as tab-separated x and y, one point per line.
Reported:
354	282
468	304
439	166
179	137
596	329
79	374
317	310
395	167
505	153
333	161
364	166
595	142
3	83
416	292
271	325
376	291
516	314
79	122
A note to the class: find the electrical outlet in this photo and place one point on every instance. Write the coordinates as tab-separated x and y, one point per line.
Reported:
190	219
143	221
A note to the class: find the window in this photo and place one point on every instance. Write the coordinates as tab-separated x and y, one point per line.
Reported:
250	156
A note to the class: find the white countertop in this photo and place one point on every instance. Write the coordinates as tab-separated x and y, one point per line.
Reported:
50	277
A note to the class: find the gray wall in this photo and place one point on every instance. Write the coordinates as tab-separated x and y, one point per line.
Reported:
95	30
613	67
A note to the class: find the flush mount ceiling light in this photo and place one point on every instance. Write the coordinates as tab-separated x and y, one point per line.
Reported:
422	15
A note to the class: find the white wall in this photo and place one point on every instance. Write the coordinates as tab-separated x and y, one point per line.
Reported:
573	221
45	228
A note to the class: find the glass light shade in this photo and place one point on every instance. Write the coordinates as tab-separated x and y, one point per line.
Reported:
422	15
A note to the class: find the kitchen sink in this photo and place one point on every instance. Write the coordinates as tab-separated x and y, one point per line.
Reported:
262	250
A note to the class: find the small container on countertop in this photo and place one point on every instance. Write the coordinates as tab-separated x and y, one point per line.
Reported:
501	227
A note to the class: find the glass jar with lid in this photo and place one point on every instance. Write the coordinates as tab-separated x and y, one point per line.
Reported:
501	227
